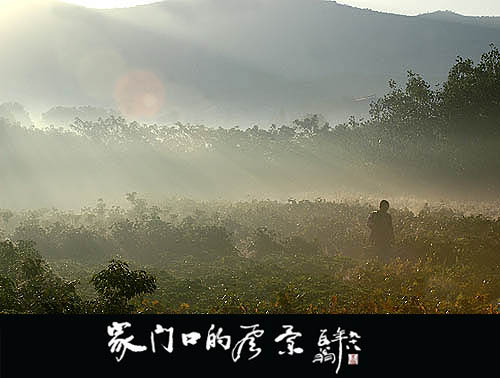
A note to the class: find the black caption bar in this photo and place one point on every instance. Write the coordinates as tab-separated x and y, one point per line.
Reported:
329	345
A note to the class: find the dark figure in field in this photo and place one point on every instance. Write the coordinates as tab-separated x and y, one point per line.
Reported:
382	233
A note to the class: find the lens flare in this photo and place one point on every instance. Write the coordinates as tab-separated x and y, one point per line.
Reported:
139	94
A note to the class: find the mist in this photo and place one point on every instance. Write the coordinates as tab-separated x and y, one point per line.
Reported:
221	64
237	153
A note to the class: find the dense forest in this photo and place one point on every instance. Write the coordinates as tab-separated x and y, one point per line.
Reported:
200	254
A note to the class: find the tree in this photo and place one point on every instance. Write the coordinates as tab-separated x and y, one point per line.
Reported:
117	285
64	115
15	112
410	110
470	99
28	285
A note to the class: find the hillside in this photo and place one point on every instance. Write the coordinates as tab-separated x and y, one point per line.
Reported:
214	62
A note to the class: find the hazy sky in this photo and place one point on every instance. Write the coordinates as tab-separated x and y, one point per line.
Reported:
109	3
409	7
413	7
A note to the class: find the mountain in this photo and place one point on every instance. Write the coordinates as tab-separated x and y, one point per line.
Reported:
221	62
449	16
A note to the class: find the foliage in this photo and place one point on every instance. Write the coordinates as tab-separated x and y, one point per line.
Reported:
28	284
470	97
63	116
117	285
286	257
408	110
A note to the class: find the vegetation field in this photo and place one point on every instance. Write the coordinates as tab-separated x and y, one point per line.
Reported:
184	256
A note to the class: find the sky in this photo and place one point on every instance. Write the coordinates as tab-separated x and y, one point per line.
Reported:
408	7
109	3
414	7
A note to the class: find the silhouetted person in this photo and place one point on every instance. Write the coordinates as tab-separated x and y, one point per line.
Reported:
382	233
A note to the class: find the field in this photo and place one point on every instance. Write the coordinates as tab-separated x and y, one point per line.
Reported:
185	256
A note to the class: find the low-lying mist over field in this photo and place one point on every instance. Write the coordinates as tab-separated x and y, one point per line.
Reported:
306	160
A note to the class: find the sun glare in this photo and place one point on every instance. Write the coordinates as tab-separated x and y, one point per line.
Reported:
11	9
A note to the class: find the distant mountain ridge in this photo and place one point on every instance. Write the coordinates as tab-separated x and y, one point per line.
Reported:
450	16
222	62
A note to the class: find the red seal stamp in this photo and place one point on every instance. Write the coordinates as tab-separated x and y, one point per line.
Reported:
353	359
